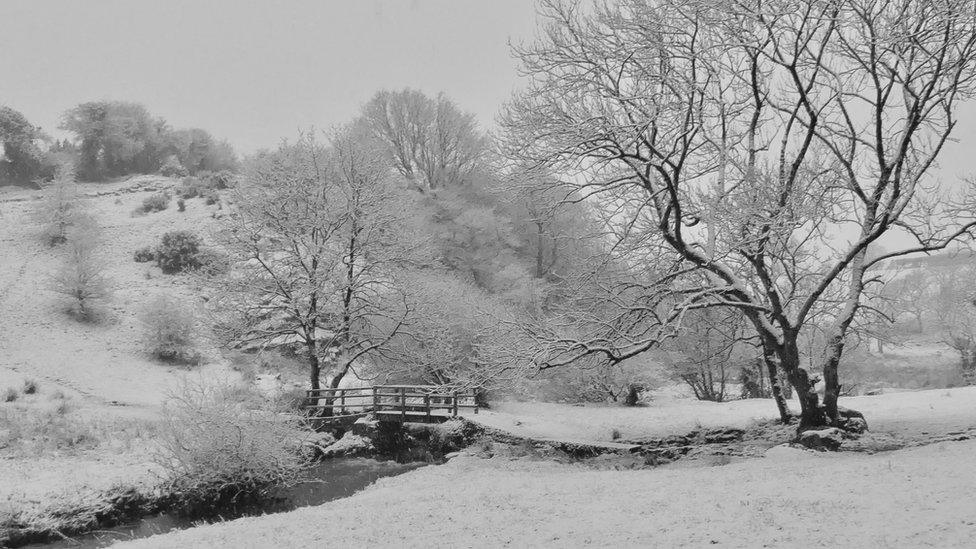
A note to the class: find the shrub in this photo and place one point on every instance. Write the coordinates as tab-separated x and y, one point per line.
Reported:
181	205
191	187
144	255
218	454
81	276
30	387
172	167
10	394
156	202
211	197
170	331
178	251
212	262
223	179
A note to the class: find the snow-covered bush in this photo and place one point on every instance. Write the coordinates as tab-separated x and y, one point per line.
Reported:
178	251
170	330
221	454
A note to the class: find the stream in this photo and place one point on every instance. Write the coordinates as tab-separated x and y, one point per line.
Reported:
331	480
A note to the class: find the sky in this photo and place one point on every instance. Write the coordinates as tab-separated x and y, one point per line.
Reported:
256	72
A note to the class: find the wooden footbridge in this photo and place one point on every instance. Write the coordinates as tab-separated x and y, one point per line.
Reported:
400	403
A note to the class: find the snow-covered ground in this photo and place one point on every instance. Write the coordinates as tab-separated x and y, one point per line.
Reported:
920	497
907	414
908	498
98	363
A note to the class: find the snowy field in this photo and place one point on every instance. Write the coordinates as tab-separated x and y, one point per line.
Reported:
920	497
907	414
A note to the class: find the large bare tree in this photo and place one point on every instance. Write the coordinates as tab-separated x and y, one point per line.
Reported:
430	140
765	144
318	238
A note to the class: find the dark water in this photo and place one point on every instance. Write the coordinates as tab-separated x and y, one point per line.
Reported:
333	479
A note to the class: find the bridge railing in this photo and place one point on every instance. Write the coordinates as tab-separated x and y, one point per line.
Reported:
403	402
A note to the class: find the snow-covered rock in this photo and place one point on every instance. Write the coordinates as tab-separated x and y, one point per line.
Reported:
823	439
348	446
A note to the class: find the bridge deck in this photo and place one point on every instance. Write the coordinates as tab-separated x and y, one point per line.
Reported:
402	403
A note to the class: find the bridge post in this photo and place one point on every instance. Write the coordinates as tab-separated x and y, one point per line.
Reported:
376	399
455	395
427	405
403	404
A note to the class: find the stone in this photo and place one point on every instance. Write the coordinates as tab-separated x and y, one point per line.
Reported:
350	445
854	425
721	436
366	426
822	440
322	440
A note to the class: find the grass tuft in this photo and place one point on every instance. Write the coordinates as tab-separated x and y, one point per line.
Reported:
30	387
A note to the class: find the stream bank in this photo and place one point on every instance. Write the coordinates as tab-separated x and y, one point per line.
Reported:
347	464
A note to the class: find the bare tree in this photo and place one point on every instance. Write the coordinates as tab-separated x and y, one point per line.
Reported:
430	141
766	145
912	292
955	305
318	239
711	347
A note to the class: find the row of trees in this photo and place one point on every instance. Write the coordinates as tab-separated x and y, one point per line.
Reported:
111	139
393	246
671	168
21	158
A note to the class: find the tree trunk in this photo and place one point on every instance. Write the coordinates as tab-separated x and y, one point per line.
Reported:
811	414
772	363
314	369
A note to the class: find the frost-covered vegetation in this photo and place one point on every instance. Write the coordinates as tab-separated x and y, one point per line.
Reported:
693	215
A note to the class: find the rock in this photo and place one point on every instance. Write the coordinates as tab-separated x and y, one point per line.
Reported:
366	427
854	425
351	445
322	440
721	436
452	455
851	421
847	412
822	440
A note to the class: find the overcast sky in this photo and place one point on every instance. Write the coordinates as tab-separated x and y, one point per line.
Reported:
254	72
